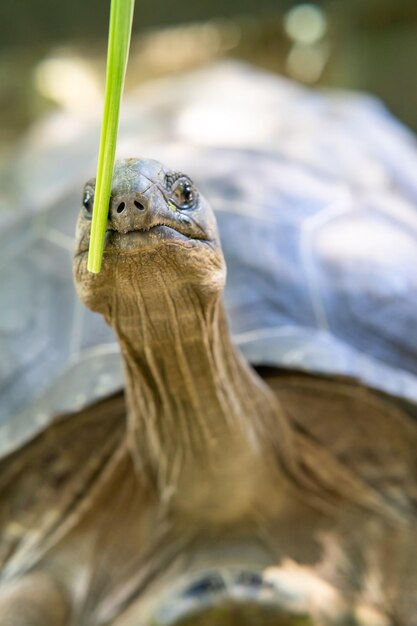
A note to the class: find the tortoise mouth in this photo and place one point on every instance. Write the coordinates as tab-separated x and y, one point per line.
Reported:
230	597
141	237
148	237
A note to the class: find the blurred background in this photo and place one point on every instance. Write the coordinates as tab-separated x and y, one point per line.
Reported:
52	54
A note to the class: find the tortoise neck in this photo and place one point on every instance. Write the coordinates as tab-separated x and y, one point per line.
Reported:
191	397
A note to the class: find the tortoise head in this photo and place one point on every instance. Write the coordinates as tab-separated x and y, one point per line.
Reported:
160	232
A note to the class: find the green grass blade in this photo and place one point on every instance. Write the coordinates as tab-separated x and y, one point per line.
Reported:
121	15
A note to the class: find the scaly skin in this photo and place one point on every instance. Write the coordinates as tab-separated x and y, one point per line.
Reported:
213	467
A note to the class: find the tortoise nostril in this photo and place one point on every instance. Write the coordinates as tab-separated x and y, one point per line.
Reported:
121	207
139	206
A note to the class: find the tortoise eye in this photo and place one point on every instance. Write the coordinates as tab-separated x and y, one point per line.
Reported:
183	194
88	201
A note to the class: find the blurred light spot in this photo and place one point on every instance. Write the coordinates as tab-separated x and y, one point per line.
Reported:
305	23
306	63
303	588
70	82
369	616
367	241
214	125
174	48
210	37
230	34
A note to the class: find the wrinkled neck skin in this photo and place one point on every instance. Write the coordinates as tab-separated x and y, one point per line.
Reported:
197	414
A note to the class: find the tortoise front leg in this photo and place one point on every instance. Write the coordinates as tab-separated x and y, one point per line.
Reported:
35	600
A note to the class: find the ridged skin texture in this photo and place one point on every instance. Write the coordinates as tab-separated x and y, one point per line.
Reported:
205	463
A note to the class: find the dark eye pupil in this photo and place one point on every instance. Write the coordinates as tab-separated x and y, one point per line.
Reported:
87	202
183	195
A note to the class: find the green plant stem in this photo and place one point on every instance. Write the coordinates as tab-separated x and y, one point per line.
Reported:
120	27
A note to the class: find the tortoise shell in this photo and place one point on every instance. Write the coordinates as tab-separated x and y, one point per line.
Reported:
315	196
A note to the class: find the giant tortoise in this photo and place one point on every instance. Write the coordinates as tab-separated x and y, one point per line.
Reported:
211	492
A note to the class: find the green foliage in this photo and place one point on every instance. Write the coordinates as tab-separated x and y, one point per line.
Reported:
120	27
